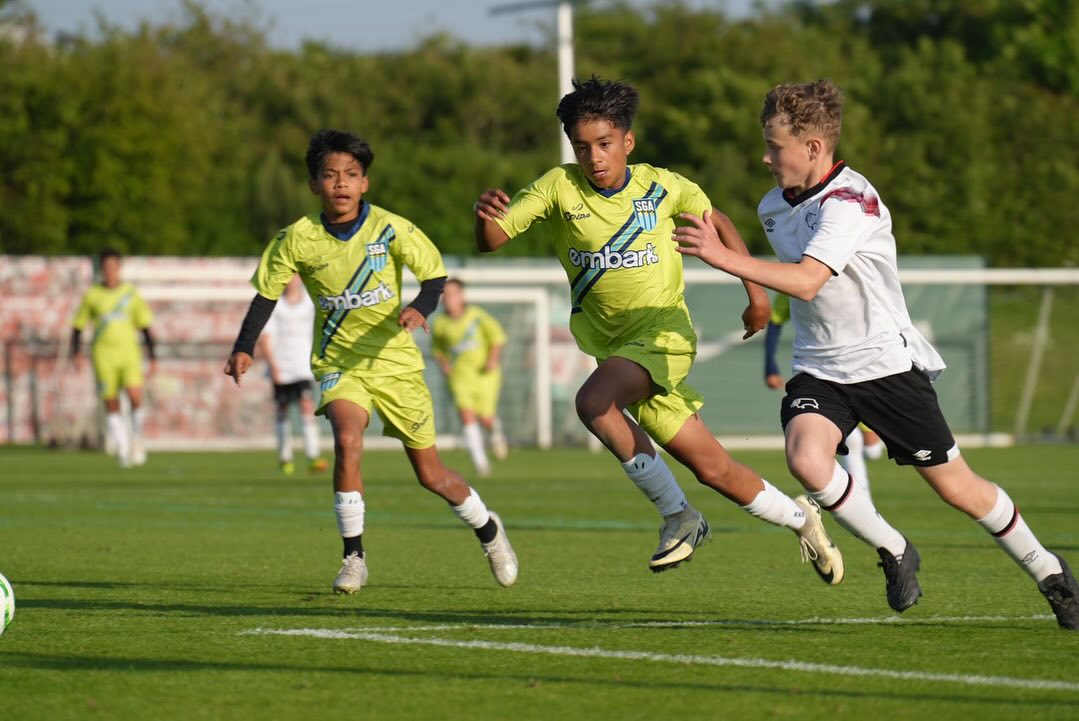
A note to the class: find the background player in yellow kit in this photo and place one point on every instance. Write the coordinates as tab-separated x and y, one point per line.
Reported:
612	224
118	313
350	258
468	344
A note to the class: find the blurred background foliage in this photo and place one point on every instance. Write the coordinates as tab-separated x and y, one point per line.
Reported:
188	138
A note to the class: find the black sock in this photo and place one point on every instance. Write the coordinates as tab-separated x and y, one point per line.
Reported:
353	545
488	532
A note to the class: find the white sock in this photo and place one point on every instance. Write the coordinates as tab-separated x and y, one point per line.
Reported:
497	439
115	427
474	443
284	439
873	451
854	462
349	508
775	506
657	483
1013	534
138	419
853	509
473	511
310	439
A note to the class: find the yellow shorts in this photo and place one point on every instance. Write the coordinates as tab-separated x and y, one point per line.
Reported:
403	402
115	371
477	392
674	402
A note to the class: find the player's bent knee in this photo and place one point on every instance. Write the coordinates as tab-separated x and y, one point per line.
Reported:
347	442
810	468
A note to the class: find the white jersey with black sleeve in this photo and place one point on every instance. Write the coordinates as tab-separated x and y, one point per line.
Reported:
857	328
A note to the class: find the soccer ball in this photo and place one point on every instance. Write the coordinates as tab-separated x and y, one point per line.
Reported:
7	604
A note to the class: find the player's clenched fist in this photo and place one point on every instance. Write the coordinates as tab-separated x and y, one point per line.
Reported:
492	204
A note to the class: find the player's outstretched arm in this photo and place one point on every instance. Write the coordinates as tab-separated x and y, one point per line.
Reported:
801	280
492	204
258	314
755	316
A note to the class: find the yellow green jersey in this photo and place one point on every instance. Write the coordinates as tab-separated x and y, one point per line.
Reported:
354	279
117	314
625	276
781	309
467	341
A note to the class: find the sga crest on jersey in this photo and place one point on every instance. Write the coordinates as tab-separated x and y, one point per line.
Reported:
644	210
377	253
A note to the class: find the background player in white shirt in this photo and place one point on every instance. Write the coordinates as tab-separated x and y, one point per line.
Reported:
286	344
857	356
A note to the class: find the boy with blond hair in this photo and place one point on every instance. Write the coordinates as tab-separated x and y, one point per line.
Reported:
857	355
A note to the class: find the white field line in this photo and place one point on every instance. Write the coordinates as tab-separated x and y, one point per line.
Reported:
590	625
685	659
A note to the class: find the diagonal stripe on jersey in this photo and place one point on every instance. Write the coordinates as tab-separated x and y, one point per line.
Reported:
619	242
356	284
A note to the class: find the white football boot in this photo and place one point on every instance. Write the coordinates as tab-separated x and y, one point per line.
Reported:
353	574
817	547
500	555
679	536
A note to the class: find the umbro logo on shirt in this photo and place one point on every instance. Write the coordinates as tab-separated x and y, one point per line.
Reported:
575	214
769	225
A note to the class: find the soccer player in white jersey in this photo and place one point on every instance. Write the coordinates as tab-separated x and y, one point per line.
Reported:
285	343
857	355
351	258
611	224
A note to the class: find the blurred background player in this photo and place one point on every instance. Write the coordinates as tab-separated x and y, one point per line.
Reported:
862	442
611	224
351	257
117	313
468	345
286	344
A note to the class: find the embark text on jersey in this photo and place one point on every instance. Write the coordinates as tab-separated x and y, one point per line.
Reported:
350	301
608	258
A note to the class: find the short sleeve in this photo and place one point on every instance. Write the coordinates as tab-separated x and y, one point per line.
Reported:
847	218
141	315
688	197
276	267
492	329
84	314
531	203
413	248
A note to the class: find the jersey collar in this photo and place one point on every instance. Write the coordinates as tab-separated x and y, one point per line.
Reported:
350	230
611	192
795	200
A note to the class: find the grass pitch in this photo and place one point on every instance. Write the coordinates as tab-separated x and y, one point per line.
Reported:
199	587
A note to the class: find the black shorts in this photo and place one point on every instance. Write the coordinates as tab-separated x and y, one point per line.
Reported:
286	393
903	410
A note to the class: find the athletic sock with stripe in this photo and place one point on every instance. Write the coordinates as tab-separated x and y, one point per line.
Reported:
1013	535
852	507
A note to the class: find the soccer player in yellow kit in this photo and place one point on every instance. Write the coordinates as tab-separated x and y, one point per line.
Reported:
468	344
350	258
611	224
118	314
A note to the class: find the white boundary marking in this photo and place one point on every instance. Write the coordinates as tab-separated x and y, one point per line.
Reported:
391	635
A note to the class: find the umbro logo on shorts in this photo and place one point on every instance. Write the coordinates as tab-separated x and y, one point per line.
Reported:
923	455
328	381
804	403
